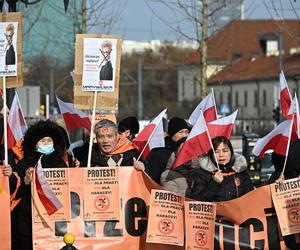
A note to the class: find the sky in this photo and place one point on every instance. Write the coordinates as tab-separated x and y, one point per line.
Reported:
137	21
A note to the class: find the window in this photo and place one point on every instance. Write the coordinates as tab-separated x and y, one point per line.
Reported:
221	97
264	97
255	98
236	99
245	99
195	86
229	98
183	88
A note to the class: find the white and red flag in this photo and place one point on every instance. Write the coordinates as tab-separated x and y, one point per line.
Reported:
278	140
74	118
152	136
294	114
197	143
16	124
222	126
285	95
47	197
208	108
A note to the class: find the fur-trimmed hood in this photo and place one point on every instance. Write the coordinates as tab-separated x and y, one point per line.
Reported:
239	165
37	132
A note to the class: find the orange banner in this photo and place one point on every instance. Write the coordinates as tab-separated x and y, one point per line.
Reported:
249	222
5	213
58	180
199	225
166	213
286	198
101	194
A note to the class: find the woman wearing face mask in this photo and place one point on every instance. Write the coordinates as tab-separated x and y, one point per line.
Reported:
43	139
228	182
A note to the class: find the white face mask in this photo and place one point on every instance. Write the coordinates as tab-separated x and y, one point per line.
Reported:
45	149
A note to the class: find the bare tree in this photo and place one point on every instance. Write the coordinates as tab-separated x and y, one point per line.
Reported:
193	20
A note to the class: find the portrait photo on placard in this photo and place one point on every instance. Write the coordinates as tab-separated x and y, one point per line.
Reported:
99	64
8	48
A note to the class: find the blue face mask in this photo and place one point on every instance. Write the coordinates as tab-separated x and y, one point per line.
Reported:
45	149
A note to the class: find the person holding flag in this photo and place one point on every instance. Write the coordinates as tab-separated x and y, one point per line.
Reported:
157	160
222	174
44	138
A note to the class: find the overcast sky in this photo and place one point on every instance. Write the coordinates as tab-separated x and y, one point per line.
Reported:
138	22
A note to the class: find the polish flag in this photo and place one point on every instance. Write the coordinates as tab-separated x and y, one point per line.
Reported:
47	197
208	108
222	126
278	140
152	136
74	118
294	113
16	124
197	143
285	95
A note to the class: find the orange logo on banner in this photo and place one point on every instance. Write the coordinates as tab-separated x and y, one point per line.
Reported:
239	224
5	213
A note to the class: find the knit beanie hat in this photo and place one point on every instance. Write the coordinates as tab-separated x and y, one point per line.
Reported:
130	123
175	125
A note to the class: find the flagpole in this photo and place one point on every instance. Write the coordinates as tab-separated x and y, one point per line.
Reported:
212	92
210	141
91	131
288	147
5	121
148	140
73	157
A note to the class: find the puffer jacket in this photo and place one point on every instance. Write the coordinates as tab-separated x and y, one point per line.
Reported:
177	180
236	181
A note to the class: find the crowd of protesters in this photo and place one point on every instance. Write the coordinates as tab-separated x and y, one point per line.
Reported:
219	175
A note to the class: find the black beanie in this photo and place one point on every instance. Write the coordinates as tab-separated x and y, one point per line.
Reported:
130	123
175	125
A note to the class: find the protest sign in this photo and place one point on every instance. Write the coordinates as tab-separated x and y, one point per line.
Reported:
58	180
166	213
101	194
286	198
11	49
199	225
88	66
5	213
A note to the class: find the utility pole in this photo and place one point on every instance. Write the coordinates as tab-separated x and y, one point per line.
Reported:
280	46
203	50
139	86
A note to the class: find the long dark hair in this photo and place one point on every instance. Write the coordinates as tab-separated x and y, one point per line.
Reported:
216	142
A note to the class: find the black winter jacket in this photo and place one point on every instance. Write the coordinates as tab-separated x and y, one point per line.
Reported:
234	185
158	158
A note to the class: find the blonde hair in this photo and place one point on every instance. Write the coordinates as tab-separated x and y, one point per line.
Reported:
10	27
106	44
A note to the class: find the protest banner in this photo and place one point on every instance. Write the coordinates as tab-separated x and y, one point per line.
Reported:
11	49
5	212
249	222
58	180
101	194
199	225
166	213
286	198
88	66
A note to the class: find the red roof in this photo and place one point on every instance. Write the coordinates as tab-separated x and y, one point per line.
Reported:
257	68
242	37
